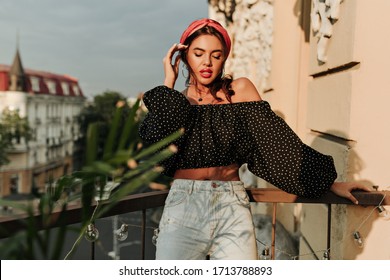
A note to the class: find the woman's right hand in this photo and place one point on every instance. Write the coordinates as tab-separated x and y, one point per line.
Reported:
172	70
344	189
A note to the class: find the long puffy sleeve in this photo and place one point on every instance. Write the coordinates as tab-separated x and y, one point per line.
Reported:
168	111
278	156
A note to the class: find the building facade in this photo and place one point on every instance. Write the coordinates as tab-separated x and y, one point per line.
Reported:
51	104
322	65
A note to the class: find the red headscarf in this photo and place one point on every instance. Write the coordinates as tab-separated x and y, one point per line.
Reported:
200	23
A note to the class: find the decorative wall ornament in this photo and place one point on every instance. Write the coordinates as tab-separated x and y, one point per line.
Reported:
225	7
250	24
324	14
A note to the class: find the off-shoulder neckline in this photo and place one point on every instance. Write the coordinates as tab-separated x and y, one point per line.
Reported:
242	103
184	94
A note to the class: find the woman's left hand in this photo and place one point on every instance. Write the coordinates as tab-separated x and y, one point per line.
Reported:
344	189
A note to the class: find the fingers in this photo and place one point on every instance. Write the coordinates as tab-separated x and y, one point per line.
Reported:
171	70
358	187
365	188
169	55
352	198
172	50
344	189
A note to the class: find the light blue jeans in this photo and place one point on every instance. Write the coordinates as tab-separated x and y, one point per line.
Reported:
203	218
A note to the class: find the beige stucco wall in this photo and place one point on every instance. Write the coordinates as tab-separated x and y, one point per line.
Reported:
349	103
340	108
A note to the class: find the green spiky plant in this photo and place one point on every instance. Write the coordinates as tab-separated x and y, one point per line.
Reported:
124	161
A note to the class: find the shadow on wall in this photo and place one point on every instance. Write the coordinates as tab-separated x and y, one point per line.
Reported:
348	163
302	10
346	219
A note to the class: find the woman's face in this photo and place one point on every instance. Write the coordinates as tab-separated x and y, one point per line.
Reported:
205	58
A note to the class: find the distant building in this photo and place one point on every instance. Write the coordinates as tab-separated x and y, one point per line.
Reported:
51	103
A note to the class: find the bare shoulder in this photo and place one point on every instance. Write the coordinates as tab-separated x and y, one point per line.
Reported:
245	91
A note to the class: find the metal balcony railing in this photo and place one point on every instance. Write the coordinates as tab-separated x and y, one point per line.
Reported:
142	202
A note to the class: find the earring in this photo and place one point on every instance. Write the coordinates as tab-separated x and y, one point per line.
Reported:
183	68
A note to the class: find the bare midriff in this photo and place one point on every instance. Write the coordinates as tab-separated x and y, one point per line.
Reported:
219	173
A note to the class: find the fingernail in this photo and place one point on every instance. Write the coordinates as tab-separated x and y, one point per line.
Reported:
357	202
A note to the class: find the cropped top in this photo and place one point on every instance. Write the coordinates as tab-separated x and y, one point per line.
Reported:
245	132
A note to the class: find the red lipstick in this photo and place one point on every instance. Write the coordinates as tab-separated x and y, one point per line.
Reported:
206	73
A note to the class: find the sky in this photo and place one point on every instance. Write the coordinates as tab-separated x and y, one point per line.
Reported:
113	45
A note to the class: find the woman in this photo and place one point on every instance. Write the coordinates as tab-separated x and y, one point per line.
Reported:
226	124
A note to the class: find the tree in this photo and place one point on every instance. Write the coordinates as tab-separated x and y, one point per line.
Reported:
101	112
13	128
5	145
102	109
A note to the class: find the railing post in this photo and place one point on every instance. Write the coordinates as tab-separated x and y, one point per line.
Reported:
115	245
143	232
93	250
328	237
273	234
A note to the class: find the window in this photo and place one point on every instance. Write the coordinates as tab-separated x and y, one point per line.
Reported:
51	85
14	184
76	90
35	157
65	88
35	84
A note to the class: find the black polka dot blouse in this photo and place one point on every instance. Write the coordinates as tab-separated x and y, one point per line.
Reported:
246	132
